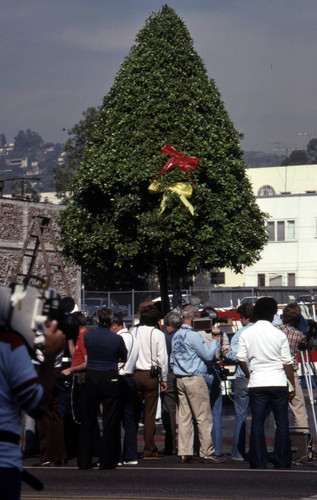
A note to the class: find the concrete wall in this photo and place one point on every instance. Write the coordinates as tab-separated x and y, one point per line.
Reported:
15	220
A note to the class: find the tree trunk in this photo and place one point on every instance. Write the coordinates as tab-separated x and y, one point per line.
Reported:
163	279
176	289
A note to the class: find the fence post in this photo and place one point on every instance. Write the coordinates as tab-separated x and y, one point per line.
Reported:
132	301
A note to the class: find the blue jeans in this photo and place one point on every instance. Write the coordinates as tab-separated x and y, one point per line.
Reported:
241	405
127	415
260	399
215	394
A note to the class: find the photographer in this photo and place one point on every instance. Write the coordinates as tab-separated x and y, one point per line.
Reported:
188	359
241	393
290	326
213	380
151	366
21	389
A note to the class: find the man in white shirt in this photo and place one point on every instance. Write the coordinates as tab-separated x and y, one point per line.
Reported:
152	353
129	455
267	350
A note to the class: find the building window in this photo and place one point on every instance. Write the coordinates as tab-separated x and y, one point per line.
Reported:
275	280
291	279
261	279
282	230
291	230
271	230
217	278
266	191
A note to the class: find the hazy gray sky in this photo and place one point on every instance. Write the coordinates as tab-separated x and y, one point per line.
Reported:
58	57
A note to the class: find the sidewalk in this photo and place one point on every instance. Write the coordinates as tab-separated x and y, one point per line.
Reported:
227	428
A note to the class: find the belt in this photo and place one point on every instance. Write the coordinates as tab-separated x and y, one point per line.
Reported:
9	437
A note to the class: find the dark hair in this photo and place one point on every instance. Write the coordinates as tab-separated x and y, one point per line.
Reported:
265	308
117	319
150	316
246	310
291	315
104	316
81	318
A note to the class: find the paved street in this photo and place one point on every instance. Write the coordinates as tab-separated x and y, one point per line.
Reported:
166	479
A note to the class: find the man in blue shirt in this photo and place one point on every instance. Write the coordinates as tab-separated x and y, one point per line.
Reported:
188	359
241	395
21	388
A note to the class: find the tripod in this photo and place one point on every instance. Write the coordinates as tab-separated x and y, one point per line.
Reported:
309	371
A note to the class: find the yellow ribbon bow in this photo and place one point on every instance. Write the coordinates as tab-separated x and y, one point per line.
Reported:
183	189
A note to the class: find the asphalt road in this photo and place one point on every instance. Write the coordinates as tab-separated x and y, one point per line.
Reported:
168	480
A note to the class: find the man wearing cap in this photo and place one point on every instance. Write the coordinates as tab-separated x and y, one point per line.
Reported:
188	359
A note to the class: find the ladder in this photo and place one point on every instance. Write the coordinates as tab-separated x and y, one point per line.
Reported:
35	240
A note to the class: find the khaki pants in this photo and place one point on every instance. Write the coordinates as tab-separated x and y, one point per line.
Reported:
193	400
297	405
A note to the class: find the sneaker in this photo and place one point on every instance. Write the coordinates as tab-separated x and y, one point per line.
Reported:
130	462
238	459
213	458
95	465
156	455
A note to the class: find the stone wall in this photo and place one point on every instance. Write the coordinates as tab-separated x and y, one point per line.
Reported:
16	218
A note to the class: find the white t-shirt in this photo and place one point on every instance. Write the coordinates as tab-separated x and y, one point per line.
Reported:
132	346
267	350
152	349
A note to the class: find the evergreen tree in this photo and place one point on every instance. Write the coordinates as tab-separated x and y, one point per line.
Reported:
312	151
162	95
26	144
297	157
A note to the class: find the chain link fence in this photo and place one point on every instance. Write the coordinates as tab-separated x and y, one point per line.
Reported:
128	302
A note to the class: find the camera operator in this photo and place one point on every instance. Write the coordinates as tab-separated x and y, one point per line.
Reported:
213	380
241	393
188	359
291	320
21	389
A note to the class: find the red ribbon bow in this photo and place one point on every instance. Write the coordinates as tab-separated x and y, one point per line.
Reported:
185	163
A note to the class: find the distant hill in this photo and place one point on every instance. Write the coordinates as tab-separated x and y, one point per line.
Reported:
257	159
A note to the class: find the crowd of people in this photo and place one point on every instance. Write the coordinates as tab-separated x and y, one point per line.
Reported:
118	375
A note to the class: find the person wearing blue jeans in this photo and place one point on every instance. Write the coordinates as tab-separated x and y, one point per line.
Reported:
241	392
270	370
213	382
261	399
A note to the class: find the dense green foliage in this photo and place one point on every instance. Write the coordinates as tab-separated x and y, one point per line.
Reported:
162	95
26	144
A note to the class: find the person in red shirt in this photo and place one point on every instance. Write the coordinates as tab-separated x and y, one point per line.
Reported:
79	360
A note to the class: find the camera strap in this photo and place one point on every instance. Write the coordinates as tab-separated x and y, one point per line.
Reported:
151	345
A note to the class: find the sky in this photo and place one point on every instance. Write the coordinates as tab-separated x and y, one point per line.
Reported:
59	57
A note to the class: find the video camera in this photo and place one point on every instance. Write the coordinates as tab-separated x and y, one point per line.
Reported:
311	334
26	309
209	317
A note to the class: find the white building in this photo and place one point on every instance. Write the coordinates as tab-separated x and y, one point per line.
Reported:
289	196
